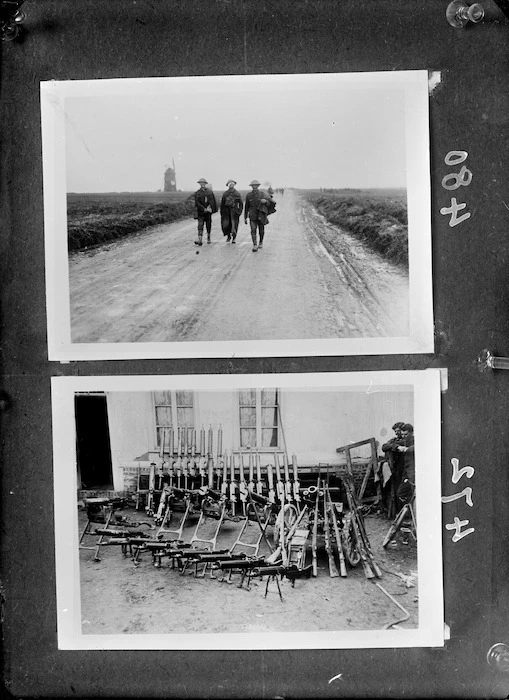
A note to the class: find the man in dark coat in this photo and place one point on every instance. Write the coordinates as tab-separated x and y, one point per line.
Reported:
395	460
407	486
259	205
205	205
231	209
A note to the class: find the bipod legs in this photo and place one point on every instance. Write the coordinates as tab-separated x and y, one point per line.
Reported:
276	579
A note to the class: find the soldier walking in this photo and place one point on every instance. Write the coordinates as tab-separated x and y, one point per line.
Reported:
205	205
259	205
231	209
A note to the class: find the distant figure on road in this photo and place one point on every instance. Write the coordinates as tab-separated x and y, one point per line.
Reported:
231	209
205	205
259	205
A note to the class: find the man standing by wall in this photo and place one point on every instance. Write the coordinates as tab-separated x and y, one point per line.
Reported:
231	210
205	206
407	486
259	205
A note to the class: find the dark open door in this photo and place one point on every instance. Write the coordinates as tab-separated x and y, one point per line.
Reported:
93	442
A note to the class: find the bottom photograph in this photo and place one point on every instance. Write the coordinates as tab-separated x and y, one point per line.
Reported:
248	511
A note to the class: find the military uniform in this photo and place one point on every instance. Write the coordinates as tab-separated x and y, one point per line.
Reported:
231	209
258	211
205	205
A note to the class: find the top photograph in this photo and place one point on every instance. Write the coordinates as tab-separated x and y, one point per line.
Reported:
238	216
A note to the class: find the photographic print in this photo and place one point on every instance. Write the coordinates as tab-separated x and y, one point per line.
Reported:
238	215
291	511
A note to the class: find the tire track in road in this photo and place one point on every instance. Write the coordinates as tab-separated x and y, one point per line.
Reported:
376	290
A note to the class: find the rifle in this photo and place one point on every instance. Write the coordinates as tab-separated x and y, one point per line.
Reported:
288	483
368	572
272	494
242	485
233	484
280	487
296	484
202	462
333	571
151	486
315	530
192	461
259	482
185	464
337	535
224	484
161	455
178	463
220	455
251	484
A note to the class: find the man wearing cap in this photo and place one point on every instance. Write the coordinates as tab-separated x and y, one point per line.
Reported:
396	464
231	209
406	488
205	205
259	205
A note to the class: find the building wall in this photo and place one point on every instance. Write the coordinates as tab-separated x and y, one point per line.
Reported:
314	423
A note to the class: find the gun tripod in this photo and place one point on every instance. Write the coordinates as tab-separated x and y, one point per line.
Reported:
407	512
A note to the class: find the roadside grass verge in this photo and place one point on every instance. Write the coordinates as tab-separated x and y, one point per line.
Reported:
93	219
376	217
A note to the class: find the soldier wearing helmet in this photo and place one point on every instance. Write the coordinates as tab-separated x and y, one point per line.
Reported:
231	209
259	205
205	205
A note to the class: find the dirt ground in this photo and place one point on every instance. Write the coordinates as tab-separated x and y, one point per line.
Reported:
118	597
158	286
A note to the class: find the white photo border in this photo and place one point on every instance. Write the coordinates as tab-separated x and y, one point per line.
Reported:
427	398
420	338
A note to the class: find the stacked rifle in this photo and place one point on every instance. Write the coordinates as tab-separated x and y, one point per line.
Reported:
186	466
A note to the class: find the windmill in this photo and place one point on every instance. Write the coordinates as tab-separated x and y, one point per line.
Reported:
170	178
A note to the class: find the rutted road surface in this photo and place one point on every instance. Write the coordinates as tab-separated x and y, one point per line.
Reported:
158	286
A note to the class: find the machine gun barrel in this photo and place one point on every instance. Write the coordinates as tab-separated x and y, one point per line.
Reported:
215	557
240	563
113	532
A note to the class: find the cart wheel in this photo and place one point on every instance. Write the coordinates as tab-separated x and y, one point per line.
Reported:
349	542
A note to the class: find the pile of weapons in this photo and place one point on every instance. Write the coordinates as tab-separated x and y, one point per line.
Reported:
299	517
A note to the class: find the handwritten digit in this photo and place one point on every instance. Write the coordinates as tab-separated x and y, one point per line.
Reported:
463	178
455	157
453	211
457	525
467	492
458	473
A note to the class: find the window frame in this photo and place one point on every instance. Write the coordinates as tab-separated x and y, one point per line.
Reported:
258	427
174	410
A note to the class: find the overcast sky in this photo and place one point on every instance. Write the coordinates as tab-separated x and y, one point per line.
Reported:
296	133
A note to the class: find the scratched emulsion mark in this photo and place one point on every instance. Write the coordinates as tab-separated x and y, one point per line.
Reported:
457	524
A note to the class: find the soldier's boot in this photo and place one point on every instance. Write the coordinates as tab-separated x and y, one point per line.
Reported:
200	239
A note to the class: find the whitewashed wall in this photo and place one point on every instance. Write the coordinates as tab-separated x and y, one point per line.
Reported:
314	423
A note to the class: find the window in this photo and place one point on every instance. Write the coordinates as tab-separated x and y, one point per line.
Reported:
174	409
258	417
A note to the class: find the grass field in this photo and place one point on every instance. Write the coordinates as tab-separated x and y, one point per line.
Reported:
97	218
377	217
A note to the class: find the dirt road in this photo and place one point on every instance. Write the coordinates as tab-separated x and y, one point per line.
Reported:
157	286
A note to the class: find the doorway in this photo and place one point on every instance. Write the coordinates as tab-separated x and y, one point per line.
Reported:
93	442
